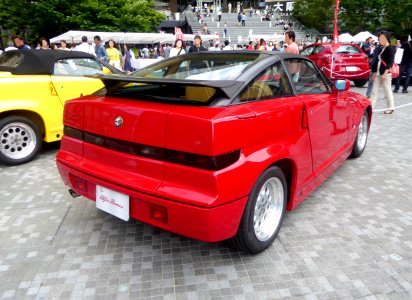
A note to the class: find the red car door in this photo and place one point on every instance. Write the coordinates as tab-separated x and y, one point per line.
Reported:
328	128
278	129
327	115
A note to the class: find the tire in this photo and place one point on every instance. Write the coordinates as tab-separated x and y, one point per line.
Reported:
20	140
360	82
362	136
263	214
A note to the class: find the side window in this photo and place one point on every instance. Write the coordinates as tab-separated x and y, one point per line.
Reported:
271	83
77	67
305	77
312	50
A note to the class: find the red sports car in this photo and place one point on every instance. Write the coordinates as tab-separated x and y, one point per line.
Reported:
347	62
213	145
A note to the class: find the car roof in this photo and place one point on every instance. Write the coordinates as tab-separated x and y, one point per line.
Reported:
281	55
330	44
36	62
229	87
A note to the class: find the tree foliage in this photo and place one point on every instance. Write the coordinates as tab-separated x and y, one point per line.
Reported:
397	18
360	15
356	15
317	14
48	18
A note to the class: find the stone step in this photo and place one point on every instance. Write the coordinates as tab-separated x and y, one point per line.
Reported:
253	24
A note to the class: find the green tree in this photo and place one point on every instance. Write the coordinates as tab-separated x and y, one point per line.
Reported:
48	18
15	15
356	15
317	14
139	16
360	15
397	17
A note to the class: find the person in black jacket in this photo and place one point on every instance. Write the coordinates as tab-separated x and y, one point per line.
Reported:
197	65
381	74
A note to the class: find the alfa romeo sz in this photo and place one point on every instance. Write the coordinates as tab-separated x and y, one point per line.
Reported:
213	146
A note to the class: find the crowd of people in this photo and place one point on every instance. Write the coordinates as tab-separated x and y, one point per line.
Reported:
109	53
381	54
288	45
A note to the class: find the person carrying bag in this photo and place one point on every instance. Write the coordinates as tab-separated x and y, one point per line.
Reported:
381	72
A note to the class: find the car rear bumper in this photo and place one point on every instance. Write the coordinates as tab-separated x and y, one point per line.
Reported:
341	73
209	224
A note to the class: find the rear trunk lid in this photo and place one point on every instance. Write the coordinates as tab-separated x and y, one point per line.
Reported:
129	141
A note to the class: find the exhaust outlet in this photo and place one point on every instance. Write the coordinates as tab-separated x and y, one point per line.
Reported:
74	194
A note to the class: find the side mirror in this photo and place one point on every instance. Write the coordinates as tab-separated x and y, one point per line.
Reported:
342	85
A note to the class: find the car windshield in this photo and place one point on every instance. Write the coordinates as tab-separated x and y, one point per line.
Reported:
188	69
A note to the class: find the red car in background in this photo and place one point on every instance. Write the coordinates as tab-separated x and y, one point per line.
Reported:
349	61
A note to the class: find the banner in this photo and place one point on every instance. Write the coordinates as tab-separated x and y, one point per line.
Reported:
179	34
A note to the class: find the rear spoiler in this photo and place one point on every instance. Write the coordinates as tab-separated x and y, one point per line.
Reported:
229	87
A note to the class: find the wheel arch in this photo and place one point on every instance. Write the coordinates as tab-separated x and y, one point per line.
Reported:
288	169
369	111
35	117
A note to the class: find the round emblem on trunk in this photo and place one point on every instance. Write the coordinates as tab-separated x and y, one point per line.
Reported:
118	121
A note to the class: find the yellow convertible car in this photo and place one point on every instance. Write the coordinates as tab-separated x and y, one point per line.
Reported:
34	86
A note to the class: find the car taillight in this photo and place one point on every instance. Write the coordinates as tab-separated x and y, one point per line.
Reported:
212	163
73	132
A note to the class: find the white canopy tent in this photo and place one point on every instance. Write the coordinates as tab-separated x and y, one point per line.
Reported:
73	36
267	37
345	38
362	36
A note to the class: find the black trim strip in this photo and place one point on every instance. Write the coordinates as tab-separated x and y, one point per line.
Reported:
211	163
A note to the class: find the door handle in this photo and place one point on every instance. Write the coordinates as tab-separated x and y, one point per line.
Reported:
244	116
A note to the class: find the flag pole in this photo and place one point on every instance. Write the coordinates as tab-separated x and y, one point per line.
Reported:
335	37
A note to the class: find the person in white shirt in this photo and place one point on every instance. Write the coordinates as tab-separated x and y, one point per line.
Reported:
85	47
64	46
227	46
178	48
211	46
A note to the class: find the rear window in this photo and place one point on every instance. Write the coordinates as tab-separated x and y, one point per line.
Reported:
189	69
203	66
164	92
348	49
11	60
312	50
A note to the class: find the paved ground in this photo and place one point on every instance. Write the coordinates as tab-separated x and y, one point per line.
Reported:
352	238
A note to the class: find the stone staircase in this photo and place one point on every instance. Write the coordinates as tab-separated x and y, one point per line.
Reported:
254	30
